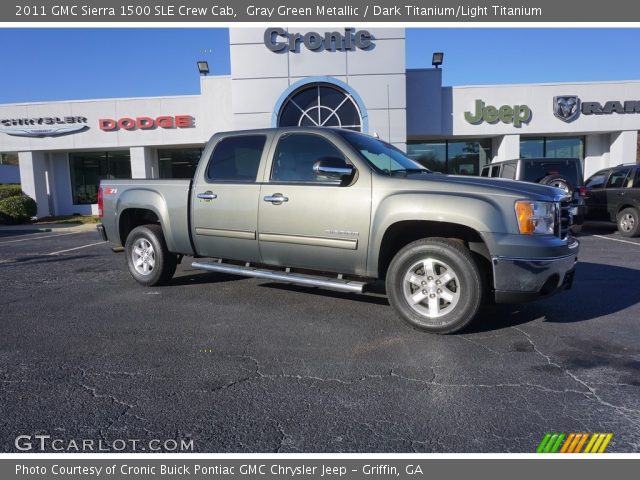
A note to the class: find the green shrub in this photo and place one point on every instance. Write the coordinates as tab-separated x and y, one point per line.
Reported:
10	190
17	209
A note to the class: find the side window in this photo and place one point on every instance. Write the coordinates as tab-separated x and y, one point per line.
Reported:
596	180
236	159
297	153
484	172
617	178
508	171
636	182
495	171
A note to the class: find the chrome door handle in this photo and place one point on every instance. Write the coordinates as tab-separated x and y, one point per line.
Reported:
276	199
207	195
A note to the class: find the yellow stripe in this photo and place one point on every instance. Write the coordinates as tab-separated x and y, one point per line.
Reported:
606	441
594	437
567	442
596	445
584	439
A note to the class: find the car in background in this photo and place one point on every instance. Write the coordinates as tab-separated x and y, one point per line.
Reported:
562	173
613	194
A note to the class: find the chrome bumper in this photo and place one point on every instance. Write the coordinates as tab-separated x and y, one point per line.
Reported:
523	279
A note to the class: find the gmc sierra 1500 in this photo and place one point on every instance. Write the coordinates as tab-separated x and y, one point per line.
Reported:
338	209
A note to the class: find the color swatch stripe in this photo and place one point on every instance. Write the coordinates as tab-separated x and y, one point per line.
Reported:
555	442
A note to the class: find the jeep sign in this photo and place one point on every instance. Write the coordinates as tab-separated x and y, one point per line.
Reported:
279	40
516	114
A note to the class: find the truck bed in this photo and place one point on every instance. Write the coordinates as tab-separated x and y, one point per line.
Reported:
167	199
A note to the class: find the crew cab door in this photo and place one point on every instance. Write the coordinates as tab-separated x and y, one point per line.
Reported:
225	195
307	220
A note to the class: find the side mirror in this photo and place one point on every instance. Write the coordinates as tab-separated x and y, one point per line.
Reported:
333	168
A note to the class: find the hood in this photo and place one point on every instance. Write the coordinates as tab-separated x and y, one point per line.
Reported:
488	186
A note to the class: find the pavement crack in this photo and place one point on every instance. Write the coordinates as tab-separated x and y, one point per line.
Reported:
592	393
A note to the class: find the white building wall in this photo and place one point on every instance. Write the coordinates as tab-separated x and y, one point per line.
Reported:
33	167
260	76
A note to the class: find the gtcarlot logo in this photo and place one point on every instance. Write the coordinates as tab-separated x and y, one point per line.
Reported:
45	443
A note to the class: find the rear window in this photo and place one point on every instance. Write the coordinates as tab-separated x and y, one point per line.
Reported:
236	159
534	171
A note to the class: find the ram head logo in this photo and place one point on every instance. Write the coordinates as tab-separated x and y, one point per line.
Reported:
566	107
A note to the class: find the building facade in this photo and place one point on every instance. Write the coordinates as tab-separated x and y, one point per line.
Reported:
350	78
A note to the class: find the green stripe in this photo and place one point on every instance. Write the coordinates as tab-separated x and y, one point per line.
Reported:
558	443
550	443
543	443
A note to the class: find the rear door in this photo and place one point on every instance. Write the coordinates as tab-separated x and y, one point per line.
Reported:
307	221
225	198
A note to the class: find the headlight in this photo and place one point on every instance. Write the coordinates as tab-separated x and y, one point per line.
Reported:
536	218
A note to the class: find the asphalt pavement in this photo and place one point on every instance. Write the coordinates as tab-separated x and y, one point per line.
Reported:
228	364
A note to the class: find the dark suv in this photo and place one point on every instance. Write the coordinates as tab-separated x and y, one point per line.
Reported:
562	173
613	194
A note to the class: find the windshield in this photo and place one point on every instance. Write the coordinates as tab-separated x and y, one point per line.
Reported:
384	157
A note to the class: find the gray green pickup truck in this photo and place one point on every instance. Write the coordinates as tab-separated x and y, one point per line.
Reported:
337	209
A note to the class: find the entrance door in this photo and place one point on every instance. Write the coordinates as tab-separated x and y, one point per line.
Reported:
309	221
225	199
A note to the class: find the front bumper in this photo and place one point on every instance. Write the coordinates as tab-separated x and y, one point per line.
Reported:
524	279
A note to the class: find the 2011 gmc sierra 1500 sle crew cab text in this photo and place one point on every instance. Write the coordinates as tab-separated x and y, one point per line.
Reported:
338	209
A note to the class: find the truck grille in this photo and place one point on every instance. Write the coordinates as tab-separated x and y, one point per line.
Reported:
565	219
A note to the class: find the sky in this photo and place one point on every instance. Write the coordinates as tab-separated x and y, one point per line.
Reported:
79	63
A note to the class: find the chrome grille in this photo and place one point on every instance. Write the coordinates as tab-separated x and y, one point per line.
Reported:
565	219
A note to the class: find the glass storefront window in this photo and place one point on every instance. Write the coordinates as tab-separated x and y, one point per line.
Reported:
460	157
531	147
9	159
552	147
178	162
88	168
432	155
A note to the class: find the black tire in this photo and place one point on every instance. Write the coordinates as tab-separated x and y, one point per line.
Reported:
628	221
160	263
445	256
558	181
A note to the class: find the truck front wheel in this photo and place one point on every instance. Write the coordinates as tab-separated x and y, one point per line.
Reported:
435	285
149	261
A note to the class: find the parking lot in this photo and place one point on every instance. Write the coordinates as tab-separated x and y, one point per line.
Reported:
245	365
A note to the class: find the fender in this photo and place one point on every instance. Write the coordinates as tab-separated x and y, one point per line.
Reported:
479	213
149	200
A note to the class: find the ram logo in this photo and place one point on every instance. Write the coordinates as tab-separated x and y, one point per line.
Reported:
566	107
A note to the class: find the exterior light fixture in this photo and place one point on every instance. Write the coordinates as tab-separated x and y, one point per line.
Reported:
437	59
203	68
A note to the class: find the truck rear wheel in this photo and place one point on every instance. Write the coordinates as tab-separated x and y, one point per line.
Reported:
150	262
435	285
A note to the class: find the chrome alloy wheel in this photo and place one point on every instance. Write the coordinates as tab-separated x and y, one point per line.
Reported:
431	288
143	256
627	222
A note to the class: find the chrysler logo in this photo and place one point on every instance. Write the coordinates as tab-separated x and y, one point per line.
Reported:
566	107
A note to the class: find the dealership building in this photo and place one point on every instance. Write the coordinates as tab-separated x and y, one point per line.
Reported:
350	78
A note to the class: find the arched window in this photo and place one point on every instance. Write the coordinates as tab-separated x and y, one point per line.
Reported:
320	105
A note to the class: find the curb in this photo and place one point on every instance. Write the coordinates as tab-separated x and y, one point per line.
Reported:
24	230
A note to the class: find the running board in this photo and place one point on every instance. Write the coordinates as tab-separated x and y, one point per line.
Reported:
286	277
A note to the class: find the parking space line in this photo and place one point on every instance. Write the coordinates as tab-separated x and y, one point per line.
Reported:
37	238
75	248
617	240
